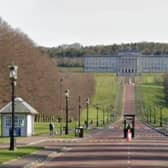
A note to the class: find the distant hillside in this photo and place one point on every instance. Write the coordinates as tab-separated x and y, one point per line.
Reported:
38	79
71	55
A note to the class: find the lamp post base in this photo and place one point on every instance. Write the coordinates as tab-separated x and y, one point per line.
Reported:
66	132
12	144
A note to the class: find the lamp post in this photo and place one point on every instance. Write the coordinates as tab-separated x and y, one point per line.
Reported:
155	109
161	117
111	115
79	108
97	121
87	112
107	120
103	116
61	80
147	110
66	109
13	77
150	114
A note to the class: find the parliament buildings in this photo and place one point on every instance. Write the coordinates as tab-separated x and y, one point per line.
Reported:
127	63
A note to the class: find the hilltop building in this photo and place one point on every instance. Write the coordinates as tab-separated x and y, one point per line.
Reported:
127	63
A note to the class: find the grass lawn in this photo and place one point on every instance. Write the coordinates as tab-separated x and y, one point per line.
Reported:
7	155
0	125
70	69
106	91
42	128
150	97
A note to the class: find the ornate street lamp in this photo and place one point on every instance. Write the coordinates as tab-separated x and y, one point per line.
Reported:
61	81
97	108
79	111
161	117
66	117
13	77
87	112
103	115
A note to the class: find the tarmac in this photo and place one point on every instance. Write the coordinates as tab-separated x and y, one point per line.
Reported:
31	161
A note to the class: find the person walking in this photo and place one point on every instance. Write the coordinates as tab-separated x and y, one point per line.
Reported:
52	128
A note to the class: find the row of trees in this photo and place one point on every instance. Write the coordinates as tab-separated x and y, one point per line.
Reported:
38	79
142	47
71	55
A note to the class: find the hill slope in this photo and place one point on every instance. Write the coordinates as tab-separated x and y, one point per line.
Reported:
38	79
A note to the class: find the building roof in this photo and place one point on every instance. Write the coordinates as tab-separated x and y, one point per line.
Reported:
20	107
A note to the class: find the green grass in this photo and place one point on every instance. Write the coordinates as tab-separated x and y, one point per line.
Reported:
0	125
7	155
150	97
42	128
70	69
106	91
149	79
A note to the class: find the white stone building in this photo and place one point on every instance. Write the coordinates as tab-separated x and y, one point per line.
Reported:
127	63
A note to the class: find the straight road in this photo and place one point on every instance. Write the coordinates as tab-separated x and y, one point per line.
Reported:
107	149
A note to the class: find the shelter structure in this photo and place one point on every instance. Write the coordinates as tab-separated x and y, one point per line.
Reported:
24	118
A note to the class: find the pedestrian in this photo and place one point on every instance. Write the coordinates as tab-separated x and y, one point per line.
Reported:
51	127
86	124
128	127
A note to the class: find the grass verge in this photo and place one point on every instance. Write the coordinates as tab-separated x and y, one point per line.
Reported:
70	69
150	99
7	155
106	92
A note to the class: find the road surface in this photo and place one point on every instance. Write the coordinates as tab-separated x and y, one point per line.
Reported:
108	149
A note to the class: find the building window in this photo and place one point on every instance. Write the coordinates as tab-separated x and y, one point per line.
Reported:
8	121
19	121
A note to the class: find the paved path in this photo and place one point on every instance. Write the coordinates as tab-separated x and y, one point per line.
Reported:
107	148
129	101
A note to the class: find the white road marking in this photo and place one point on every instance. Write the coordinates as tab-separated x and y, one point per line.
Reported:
129	157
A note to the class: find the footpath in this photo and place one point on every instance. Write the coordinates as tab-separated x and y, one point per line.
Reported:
30	161
46	154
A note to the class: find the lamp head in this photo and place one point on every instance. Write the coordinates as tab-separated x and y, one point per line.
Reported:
87	101
67	93
13	72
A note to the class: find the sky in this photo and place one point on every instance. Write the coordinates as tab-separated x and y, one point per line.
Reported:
89	22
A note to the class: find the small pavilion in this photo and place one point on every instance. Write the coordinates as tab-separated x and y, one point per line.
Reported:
24	118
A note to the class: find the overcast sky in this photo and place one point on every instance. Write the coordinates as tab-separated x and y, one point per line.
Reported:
89	22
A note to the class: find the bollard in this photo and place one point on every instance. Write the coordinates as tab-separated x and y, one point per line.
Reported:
129	136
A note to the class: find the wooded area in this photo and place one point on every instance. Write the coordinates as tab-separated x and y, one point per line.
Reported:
72	55
38	79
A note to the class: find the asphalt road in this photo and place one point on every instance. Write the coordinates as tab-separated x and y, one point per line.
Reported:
108	149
